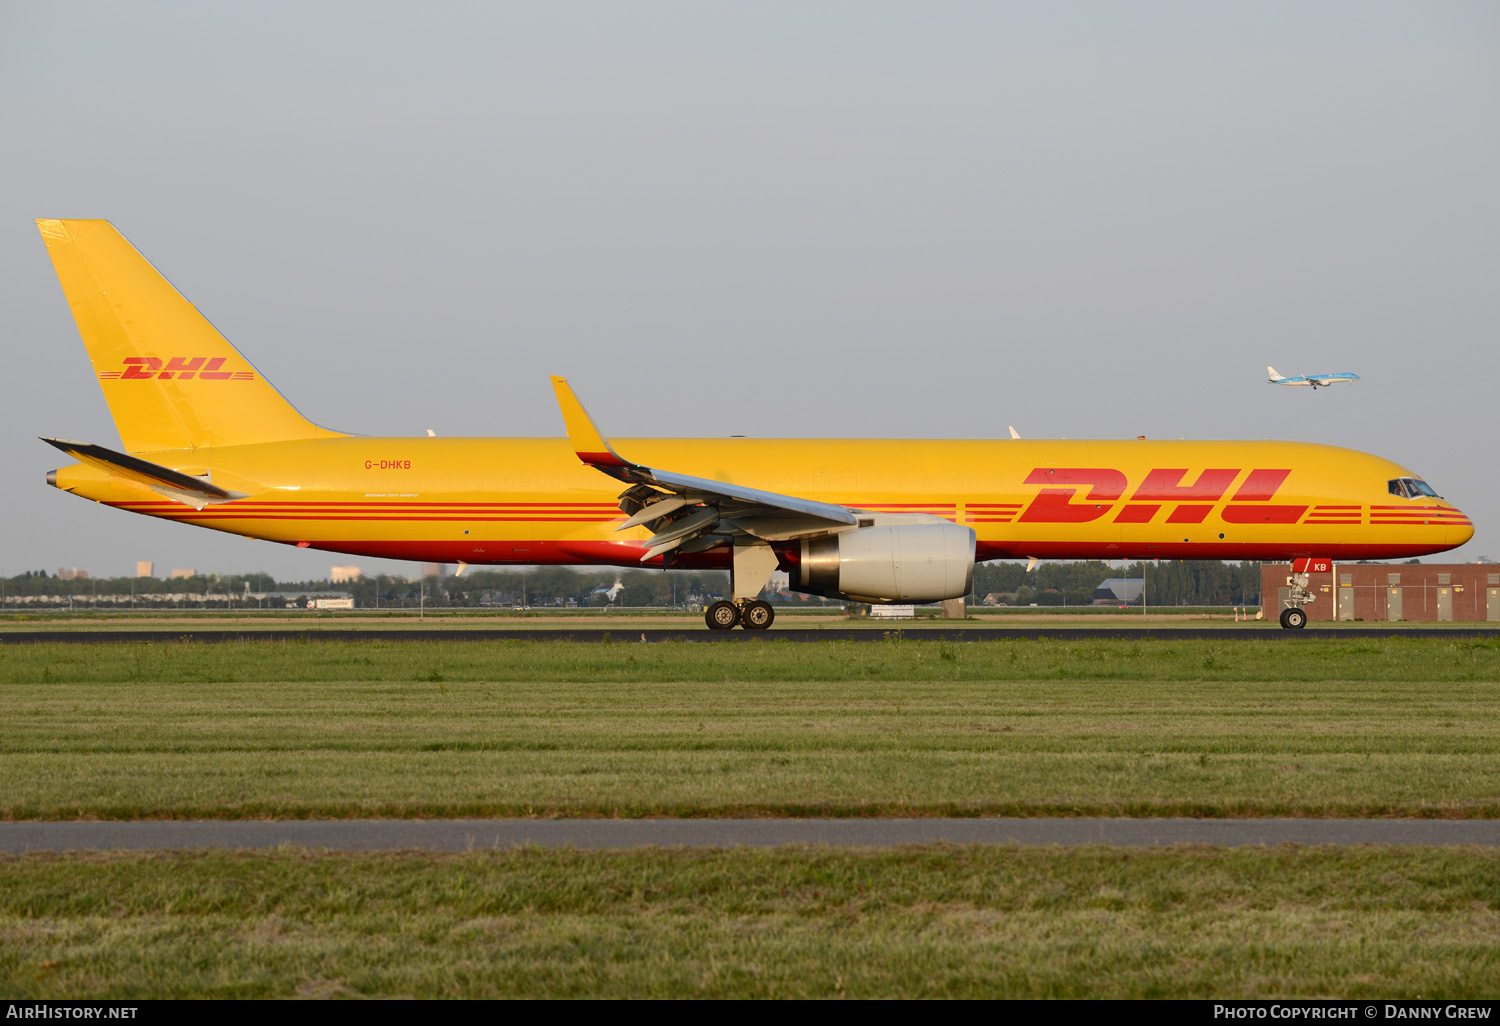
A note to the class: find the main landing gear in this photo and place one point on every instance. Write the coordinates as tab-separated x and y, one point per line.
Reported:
754	615
754	561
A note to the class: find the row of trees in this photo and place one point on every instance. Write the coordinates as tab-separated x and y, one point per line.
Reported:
535	586
38	582
546	586
1169	583
1197	582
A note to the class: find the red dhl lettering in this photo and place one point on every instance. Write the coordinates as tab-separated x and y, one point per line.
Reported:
1164	485
1054	505
1059	503
175	368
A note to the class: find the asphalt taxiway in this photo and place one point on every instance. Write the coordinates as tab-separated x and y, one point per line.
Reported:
499	834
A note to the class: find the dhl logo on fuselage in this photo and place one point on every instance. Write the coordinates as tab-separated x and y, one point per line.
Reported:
1190	503
180	368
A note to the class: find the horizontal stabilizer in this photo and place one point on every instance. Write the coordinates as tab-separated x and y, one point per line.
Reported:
185	488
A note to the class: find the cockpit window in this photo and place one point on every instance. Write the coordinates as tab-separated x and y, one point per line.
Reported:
1410	488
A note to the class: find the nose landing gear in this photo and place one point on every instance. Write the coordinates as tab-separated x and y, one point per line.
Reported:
1294	617
754	615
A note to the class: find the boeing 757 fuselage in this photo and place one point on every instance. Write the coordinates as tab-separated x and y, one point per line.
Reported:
206	440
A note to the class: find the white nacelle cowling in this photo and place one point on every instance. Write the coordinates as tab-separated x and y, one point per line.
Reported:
890	562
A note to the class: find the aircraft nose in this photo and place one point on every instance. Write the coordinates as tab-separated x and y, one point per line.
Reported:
1457	528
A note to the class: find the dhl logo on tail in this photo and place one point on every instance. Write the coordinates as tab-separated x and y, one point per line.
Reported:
182	368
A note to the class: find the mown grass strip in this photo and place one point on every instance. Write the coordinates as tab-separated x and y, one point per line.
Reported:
1394	660
1330	728
926	922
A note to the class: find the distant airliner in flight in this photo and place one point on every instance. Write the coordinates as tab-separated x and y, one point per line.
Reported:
1315	380
206	440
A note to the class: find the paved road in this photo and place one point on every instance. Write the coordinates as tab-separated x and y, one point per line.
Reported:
461	835
627	634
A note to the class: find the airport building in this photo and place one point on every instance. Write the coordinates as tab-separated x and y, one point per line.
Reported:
1118	589
1372	592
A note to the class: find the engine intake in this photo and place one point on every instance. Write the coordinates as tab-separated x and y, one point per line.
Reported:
901	562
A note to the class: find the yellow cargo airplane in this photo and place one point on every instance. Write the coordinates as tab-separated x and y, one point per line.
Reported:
206	440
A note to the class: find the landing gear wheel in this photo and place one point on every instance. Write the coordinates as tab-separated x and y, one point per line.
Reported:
757	615
722	616
1293	619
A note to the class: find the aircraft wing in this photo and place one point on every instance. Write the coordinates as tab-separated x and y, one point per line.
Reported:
693	513
184	488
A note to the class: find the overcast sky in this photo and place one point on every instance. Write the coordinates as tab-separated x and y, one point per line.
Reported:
841	219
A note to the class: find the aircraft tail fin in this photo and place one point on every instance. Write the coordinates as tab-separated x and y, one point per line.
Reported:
1274	376
170	379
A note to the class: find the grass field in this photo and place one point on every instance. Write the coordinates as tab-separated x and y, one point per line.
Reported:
960	922
1350	726
1347	727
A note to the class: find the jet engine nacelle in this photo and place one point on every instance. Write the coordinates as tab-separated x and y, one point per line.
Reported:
889	562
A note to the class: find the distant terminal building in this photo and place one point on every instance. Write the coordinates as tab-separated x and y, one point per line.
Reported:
1372	592
302	599
343	574
1119	589
145	568
75	574
180	574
